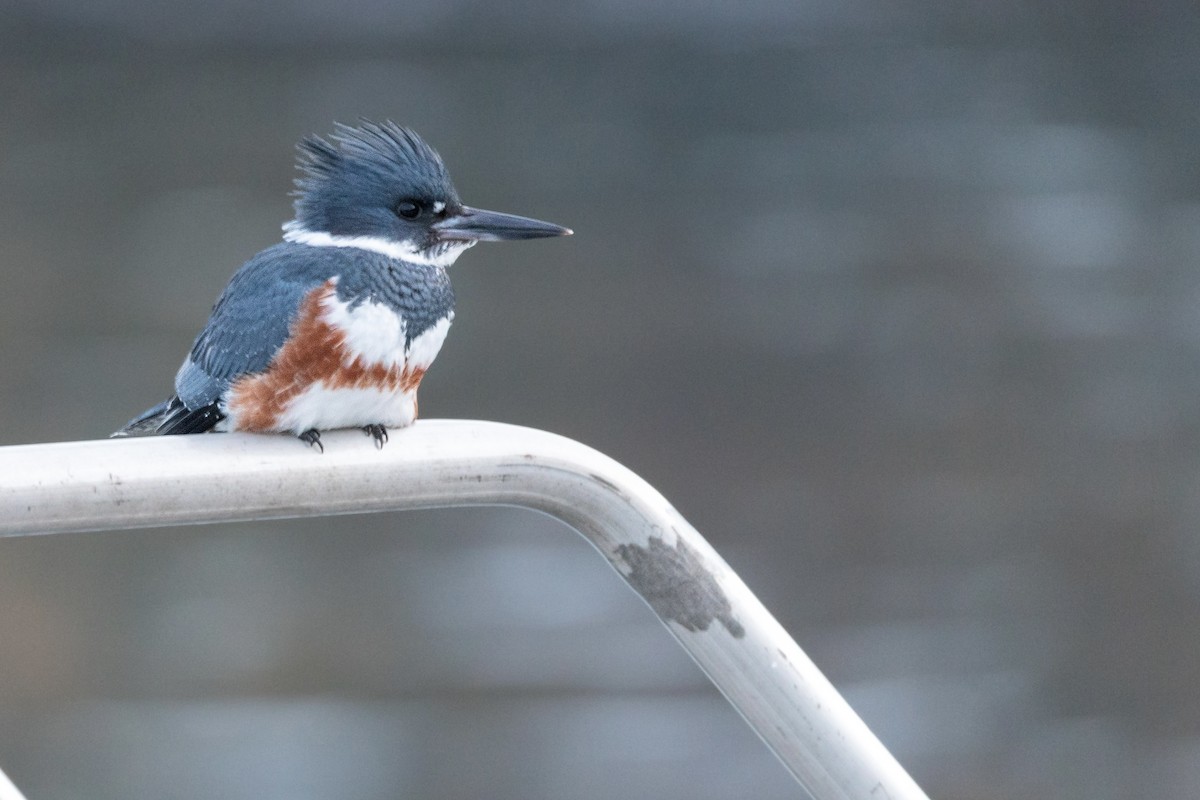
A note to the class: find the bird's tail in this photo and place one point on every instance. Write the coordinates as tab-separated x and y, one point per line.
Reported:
172	417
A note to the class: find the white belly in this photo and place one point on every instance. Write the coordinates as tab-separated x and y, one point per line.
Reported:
324	408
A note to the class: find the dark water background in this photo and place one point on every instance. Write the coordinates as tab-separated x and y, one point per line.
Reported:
898	303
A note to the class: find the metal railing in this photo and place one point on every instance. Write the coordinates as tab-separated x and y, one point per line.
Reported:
127	483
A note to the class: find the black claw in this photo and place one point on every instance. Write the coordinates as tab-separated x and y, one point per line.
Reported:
378	433
312	438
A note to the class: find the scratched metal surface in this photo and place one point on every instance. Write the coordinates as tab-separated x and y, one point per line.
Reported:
899	308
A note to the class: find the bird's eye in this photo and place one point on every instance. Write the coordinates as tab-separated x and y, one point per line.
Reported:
408	209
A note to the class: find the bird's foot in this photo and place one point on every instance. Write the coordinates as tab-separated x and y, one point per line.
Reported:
378	433
312	438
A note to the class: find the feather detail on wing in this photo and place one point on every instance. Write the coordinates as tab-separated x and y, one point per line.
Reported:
248	325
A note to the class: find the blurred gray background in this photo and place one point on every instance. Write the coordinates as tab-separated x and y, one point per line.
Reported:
898	303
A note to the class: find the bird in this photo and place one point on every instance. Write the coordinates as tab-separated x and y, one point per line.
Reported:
336	325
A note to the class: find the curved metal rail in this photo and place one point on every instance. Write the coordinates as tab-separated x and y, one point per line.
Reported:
126	483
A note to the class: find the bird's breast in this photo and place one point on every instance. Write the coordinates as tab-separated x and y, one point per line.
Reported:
345	363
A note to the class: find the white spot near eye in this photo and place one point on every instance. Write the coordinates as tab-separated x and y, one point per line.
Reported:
438	206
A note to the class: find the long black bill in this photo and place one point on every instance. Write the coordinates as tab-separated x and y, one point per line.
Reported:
475	224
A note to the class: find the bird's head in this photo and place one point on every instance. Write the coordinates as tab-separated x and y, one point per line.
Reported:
382	187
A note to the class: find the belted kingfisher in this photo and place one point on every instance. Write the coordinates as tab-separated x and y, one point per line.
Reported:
335	326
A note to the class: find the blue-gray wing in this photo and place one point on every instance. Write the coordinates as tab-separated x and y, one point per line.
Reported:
249	324
250	321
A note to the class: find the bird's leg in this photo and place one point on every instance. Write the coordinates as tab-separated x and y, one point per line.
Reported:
312	438
378	433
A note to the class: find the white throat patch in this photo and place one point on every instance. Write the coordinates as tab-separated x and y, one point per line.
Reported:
442	255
